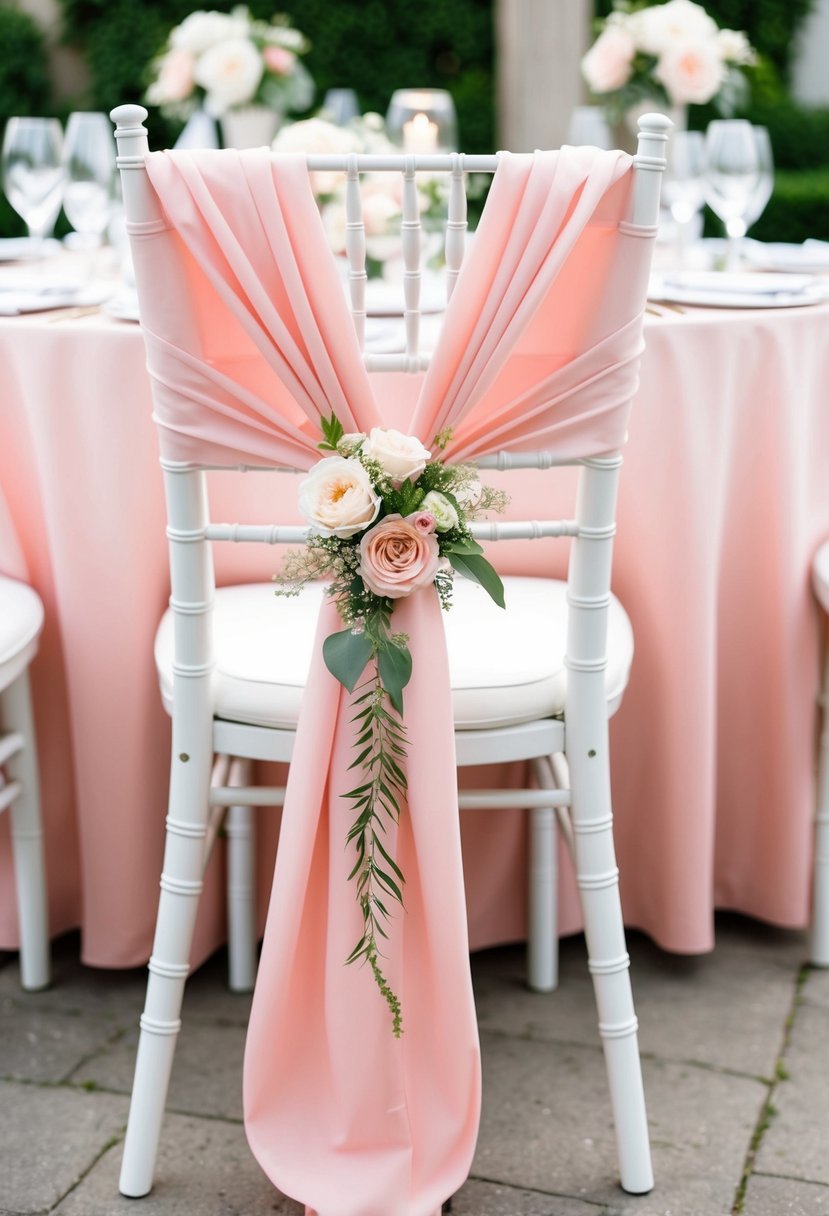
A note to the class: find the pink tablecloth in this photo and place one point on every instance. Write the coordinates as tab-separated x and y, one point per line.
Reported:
725	496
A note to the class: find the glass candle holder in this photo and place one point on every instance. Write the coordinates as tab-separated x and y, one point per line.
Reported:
422	120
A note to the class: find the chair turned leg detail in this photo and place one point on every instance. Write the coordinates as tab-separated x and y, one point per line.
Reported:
542	936
240	830
820	900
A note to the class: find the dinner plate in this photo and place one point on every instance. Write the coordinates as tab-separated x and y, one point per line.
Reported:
716	289
122	307
810	257
17	301
23	248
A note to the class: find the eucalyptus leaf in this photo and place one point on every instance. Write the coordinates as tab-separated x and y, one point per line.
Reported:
394	664
346	654
479	570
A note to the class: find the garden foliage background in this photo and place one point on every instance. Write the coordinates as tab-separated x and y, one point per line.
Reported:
374	46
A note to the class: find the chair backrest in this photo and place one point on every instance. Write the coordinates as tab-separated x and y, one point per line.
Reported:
274	353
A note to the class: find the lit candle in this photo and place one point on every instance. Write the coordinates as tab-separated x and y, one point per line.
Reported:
420	134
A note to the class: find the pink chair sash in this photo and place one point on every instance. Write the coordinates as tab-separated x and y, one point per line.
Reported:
249	343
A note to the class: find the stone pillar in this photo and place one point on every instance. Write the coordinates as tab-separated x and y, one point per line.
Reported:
70	76
810	80
539	46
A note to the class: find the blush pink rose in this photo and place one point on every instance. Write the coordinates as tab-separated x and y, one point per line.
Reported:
607	64
692	73
396	558
423	521
278	60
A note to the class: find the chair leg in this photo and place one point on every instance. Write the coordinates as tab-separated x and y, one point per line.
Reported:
181	885
609	963
820	910
542	935
240	829
27	839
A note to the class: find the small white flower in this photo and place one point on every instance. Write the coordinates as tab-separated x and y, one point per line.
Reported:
337	497
438	505
735	47
469	493
229	74
399	456
351	442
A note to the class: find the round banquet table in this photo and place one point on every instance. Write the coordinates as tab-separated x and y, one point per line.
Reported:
724	498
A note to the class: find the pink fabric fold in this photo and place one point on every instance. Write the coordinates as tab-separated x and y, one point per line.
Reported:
249	344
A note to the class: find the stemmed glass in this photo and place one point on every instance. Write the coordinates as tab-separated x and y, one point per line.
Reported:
765	181
33	173
732	175
89	160
683	185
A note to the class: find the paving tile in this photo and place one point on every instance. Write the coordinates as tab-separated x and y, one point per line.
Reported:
494	1199
546	1126
724	1010
784	1197
205	1168
50	1137
815	989
79	989
43	1045
795	1143
207	1070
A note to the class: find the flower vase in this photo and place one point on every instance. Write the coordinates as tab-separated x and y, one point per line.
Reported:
250	127
628	132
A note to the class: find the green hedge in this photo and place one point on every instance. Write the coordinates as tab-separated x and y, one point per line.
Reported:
25	86
372	46
799	207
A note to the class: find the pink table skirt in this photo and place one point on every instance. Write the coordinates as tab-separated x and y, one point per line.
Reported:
724	499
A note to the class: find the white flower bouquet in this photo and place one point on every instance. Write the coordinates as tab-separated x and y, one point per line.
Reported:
673	53
223	61
386	519
382	193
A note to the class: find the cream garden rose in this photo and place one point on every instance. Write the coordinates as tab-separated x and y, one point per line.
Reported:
397	557
606	65
229	73
692	73
400	456
337	497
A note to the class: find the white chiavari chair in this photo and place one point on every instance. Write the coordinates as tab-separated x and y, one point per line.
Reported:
21	622
234	702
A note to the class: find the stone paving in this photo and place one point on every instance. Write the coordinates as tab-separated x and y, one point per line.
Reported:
735	1048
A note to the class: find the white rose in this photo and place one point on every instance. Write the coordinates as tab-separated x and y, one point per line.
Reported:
400	456
337	497
606	66
691	74
734	47
198	32
438	505
315	135
229	74
175	78
665	25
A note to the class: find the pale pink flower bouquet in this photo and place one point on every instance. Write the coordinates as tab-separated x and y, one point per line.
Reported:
385	519
224	61
673	54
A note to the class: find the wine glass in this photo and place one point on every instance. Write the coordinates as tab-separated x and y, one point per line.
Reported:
89	160
683	186
765	181
732	175
33	173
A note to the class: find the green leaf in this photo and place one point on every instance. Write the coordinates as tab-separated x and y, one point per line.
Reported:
467	545
394	663
332	433
346	654
479	570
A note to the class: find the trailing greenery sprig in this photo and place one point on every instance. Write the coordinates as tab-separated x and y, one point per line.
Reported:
385	520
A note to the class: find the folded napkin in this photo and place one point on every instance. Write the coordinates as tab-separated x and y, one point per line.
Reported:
742	283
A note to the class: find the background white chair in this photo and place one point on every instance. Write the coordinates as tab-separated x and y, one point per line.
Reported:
820	913
21	621
234	702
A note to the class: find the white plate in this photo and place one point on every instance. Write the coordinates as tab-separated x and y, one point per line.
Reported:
23	248
734	291
16	302
810	257
123	307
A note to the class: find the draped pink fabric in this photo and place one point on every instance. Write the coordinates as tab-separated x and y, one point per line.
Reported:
249	343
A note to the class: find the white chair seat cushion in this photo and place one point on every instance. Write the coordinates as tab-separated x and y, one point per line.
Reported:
21	620
506	666
820	575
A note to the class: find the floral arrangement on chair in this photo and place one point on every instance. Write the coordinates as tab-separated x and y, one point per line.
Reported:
672	53
223	61
382	193
386	519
